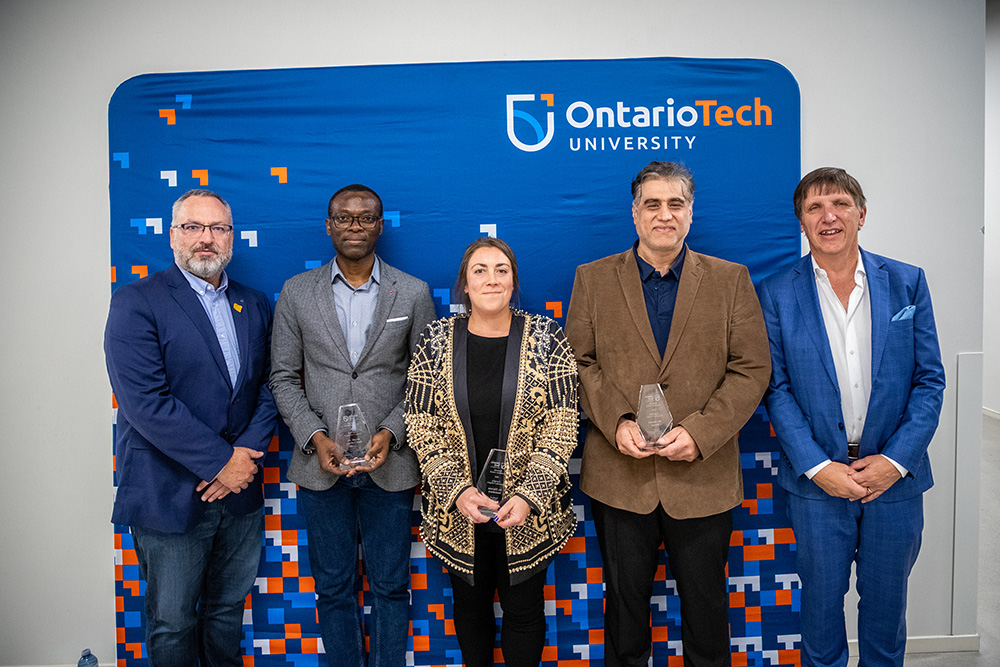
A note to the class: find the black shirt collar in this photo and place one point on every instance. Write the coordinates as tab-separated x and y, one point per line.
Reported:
646	270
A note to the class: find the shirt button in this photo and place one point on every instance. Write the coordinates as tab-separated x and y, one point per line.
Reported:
354	324
851	352
855	385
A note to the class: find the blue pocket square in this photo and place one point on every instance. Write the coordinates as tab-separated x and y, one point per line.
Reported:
905	314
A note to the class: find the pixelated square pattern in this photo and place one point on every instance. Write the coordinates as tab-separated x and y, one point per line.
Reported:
280	625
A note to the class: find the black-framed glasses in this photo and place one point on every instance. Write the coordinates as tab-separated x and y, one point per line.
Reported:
197	229
344	221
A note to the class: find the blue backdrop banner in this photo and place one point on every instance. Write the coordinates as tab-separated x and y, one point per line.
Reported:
540	154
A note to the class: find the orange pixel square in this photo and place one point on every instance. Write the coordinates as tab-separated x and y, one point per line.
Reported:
758	552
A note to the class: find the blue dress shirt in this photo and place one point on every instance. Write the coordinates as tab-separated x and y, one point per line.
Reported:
355	308
216	306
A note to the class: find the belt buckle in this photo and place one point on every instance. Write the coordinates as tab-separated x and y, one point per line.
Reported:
853	451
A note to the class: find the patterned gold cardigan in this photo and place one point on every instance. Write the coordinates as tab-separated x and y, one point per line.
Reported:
538	425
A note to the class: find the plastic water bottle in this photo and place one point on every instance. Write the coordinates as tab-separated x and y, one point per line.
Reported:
87	659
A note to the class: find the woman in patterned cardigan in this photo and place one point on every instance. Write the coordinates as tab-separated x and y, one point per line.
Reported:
496	378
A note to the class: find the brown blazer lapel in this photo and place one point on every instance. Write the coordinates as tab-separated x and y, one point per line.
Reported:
628	278
687	290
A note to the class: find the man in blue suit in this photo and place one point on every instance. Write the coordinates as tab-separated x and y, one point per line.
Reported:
855	393
188	356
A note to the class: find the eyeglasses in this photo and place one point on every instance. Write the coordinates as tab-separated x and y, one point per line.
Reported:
197	229
344	221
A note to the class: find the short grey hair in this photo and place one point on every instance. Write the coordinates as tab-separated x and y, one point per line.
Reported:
664	171
198	192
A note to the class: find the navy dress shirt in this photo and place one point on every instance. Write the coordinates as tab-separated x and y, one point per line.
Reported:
660	293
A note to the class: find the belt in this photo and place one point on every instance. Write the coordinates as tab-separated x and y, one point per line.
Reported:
853	451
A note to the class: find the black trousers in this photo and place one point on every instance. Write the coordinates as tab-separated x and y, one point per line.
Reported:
522	633
697	550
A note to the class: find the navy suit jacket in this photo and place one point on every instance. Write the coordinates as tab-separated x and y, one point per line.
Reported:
179	416
907	380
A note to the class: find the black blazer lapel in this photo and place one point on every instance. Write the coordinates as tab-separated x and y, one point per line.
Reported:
460	381
511	372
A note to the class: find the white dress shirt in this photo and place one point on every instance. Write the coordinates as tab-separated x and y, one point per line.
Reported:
850	335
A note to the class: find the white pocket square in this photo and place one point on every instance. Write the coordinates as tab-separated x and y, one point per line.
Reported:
397	319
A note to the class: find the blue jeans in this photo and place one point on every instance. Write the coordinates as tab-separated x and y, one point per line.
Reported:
196	584
334	520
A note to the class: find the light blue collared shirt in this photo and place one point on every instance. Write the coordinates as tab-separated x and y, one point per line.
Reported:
217	308
355	308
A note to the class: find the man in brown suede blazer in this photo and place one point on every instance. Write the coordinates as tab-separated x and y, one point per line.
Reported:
661	313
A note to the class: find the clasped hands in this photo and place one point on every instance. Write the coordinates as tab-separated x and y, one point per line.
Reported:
514	512
865	479
329	454
675	445
235	476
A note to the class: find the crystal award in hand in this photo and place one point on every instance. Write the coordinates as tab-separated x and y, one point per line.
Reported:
352	437
654	418
491	479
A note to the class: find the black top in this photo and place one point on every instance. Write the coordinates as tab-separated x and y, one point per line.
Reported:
660	293
485	364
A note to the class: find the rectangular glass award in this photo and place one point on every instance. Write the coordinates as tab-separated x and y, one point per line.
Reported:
654	418
352	436
491	479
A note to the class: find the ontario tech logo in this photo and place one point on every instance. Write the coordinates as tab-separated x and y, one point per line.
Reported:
542	138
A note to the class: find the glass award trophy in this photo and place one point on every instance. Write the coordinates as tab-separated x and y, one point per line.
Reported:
352	437
491	479
654	418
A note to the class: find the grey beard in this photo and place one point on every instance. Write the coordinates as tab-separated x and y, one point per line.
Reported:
206	269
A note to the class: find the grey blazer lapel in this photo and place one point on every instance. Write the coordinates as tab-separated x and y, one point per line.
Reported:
383	306
327	306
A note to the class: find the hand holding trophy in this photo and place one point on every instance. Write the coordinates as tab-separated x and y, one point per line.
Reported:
654	418
353	436
490	482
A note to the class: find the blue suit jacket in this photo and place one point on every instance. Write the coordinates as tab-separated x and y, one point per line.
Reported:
179	416
907	381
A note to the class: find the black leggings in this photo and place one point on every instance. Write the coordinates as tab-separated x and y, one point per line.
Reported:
522	633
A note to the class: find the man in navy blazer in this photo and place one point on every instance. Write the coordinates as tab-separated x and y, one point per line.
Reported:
188	356
855	394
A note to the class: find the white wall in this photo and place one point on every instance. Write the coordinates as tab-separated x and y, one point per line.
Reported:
893	91
991	273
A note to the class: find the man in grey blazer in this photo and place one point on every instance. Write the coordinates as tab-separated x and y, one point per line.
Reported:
344	333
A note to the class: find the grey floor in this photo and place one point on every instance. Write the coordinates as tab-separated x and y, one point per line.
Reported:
989	566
